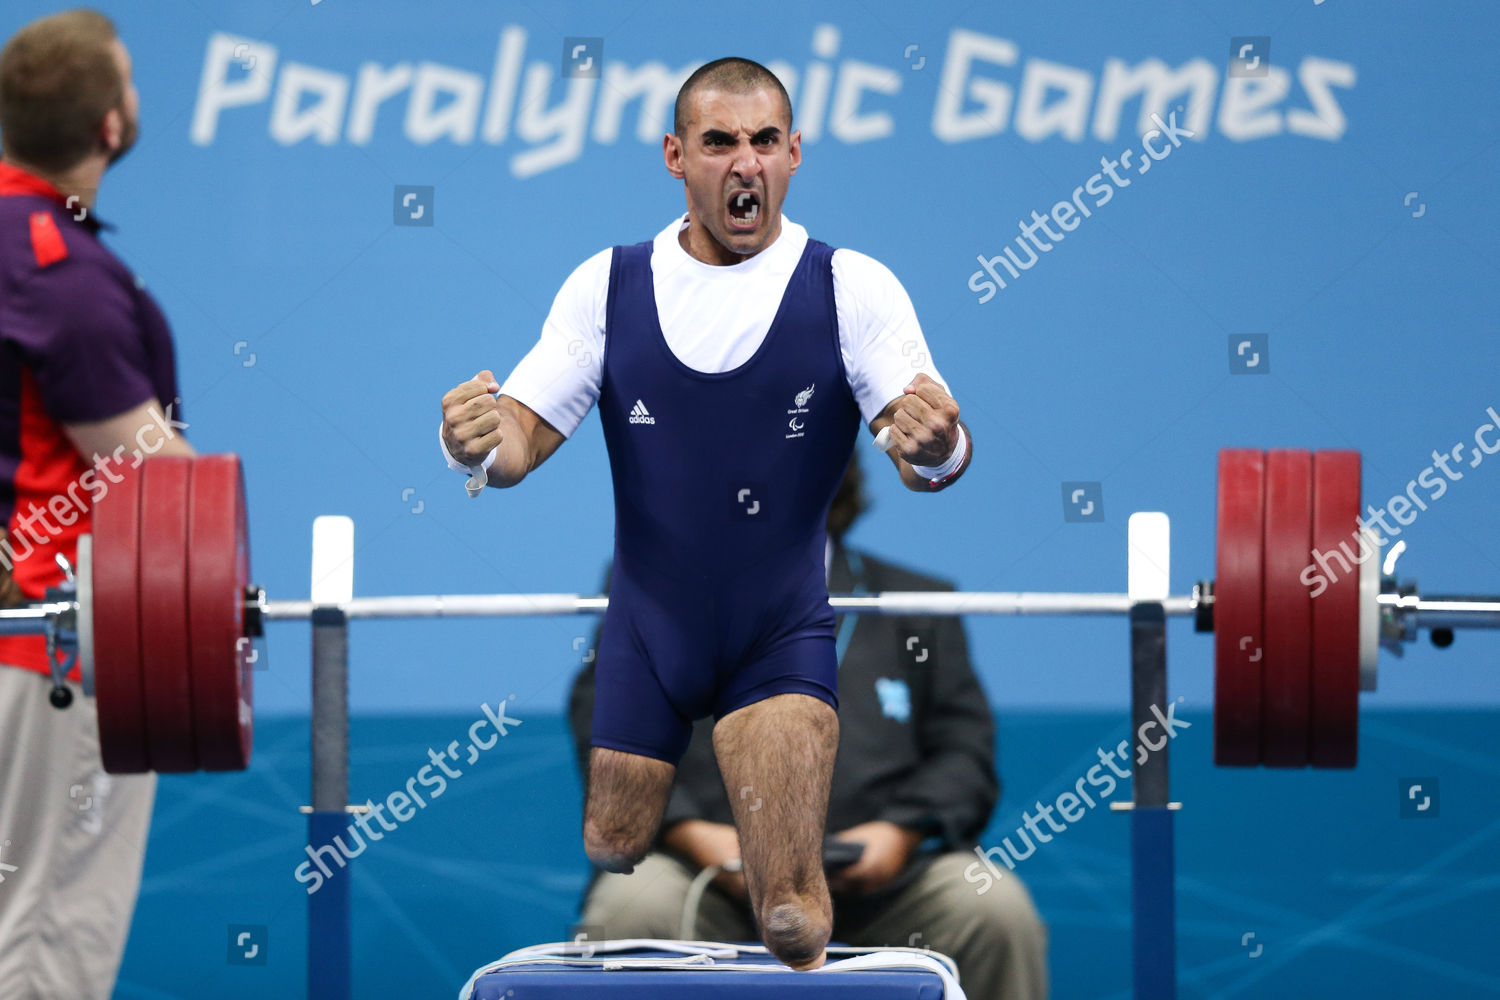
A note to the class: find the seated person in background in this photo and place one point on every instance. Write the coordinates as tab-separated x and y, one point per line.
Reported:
914	784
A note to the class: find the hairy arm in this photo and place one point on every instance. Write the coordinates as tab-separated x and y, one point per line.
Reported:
526	441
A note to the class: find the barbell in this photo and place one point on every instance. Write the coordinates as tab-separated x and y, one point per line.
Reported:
159	614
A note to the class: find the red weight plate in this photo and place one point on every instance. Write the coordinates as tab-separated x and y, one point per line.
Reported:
165	503
119	694
1286	681
222	655
1333	728
1238	627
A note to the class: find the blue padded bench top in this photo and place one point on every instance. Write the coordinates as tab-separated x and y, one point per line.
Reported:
579	972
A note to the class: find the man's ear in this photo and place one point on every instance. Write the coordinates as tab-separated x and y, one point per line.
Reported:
794	147
671	152
112	130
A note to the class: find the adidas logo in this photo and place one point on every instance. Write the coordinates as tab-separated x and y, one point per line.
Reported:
638	414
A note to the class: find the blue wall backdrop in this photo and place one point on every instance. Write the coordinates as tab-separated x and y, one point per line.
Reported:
1340	203
1334	206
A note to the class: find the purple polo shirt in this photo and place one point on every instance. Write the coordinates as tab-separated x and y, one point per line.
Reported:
80	341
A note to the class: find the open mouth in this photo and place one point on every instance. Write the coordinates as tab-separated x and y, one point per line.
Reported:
744	210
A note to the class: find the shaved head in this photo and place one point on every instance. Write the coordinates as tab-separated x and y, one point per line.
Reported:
732	75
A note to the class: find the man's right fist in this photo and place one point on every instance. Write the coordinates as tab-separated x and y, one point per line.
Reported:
471	419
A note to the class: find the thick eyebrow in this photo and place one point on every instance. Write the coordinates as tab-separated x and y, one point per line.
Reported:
770	132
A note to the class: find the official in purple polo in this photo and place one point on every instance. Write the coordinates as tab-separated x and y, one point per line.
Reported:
87	382
732	359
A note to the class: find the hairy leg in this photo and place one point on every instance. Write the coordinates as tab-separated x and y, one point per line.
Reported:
776	757
627	794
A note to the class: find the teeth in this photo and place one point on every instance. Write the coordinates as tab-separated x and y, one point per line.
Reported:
749	216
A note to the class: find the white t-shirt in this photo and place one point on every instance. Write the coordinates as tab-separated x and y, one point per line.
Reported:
715	317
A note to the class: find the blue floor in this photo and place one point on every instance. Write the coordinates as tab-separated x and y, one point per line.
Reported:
1343	896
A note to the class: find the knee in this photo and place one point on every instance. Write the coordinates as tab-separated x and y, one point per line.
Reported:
797	932
644	904
614	850
1009	922
1025	930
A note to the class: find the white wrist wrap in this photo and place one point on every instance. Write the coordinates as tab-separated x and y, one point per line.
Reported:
453	464
950	466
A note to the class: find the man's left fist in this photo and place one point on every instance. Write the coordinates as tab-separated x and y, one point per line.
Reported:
924	430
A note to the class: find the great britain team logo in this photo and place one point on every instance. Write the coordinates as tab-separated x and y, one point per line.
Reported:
799	407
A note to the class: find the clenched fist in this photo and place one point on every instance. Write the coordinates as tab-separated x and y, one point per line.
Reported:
924	425
471	419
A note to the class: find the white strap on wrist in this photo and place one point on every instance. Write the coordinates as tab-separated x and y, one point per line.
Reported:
950	466
478	474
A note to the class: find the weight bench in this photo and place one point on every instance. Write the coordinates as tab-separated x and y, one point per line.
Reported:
650	969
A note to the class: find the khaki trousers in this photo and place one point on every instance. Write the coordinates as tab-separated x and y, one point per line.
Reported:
72	841
997	939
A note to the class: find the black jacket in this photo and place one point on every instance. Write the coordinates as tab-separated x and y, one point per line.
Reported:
916	737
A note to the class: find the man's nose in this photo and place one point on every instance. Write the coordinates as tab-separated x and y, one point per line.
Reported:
746	163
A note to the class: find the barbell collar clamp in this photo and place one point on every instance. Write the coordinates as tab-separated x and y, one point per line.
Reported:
255	611
1203	606
60	629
